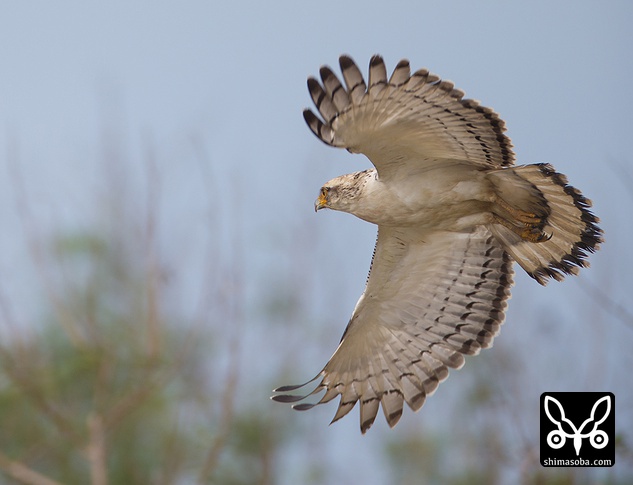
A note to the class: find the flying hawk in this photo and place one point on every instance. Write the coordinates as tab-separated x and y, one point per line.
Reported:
453	214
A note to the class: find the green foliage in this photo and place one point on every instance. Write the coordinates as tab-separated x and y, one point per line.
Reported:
52	397
100	374
109	390
251	449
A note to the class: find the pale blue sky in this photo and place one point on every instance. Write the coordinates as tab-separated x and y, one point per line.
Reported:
231	75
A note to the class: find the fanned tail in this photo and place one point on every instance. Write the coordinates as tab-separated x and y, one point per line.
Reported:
571	228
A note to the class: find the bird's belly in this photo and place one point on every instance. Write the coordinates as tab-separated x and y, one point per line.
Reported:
454	200
461	216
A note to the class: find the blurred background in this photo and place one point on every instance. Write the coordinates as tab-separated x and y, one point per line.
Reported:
162	268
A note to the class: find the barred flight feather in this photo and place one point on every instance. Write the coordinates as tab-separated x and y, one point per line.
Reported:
422	95
397	360
453	213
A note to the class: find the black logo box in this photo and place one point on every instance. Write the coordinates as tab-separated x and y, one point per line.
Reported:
568	412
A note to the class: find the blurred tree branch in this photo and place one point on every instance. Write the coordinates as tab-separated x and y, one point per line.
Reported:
96	450
109	375
23	473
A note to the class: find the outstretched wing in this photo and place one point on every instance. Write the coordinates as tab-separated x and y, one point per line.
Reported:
430	299
408	119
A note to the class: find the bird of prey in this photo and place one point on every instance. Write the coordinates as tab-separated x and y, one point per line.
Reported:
453	214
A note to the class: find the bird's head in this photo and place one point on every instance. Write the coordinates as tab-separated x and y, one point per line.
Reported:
327	196
342	193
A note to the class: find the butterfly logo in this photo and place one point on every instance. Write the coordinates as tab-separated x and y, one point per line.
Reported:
566	429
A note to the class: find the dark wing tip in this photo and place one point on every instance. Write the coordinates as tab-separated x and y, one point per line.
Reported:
393	418
376	60
377	80
303	407
346	62
314	86
401	73
367	424
287	398
322	131
326	72
309	116
294	387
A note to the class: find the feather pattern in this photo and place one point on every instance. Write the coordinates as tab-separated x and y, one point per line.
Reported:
572	227
419	114
453	212
430	299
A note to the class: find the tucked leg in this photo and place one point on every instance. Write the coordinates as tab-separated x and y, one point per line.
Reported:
519	215
527	231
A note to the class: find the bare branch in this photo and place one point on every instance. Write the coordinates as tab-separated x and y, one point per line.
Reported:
152	320
63	313
226	418
227	409
96	450
23	380
22	473
132	401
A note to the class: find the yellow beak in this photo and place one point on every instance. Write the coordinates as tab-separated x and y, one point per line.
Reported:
320	203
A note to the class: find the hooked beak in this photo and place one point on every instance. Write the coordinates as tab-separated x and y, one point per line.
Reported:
320	203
